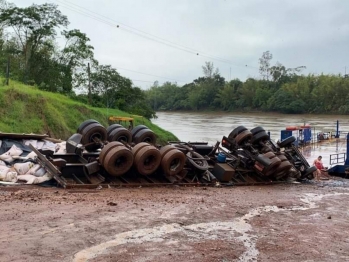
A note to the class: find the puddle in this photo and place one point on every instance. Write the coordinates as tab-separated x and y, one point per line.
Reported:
211	230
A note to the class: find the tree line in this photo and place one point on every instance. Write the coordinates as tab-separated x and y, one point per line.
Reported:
278	89
27	43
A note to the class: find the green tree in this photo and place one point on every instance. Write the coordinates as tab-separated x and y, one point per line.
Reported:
74	58
33	26
264	65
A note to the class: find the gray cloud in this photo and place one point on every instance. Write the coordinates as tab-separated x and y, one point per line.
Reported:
313	33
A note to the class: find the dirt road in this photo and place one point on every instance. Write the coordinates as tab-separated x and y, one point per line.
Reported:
293	222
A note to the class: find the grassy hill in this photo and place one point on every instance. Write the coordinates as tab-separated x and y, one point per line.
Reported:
25	109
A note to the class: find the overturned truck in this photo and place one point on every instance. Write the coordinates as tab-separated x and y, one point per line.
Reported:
115	156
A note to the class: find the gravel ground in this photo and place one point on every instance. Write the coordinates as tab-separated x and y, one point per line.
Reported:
285	222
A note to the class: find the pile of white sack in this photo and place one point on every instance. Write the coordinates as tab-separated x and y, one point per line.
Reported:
27	170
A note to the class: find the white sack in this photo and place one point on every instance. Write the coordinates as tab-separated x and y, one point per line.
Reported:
4	170
10	176
13	151
32	142
39	144
61	148
30	179
27	178
48	145
37	171
32	155
23	168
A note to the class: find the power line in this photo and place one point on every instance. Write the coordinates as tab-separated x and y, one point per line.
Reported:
142	81
132	30
93	17
149	74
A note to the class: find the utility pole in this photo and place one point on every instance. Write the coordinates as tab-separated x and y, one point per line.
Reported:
8	71
89	85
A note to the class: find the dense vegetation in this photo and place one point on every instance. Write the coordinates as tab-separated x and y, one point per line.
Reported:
26	109
280	89
27	44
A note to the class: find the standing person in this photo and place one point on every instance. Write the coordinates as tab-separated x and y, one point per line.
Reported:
321	172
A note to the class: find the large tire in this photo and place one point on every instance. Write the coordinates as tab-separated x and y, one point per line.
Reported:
137	129
262	135
84	124
118	161
112	127
138	147
275	162
282	157
165	149
182	148
145	135
280	175
243	137
269	155
284	166
310	170
106	149
287	141
266	149
93	131
236	131
197	161
120	134
172	163
257	130
147	160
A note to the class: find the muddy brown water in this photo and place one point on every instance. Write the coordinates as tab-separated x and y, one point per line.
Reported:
212	126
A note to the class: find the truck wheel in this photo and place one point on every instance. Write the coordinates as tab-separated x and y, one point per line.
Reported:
137	129
287	141
147	160
197	161
310	170
269	155
93	131
120	134
262	135
165	149
84	124
145	135
236	131
118	161
243	137
257	130
275	162
173	162
112	127
138	147
106	149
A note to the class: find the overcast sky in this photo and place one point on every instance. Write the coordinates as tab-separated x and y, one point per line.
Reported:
311	33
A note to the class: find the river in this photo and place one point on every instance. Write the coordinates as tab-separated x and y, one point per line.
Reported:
212	126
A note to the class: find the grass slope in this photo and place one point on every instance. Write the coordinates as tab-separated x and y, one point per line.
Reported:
25	109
